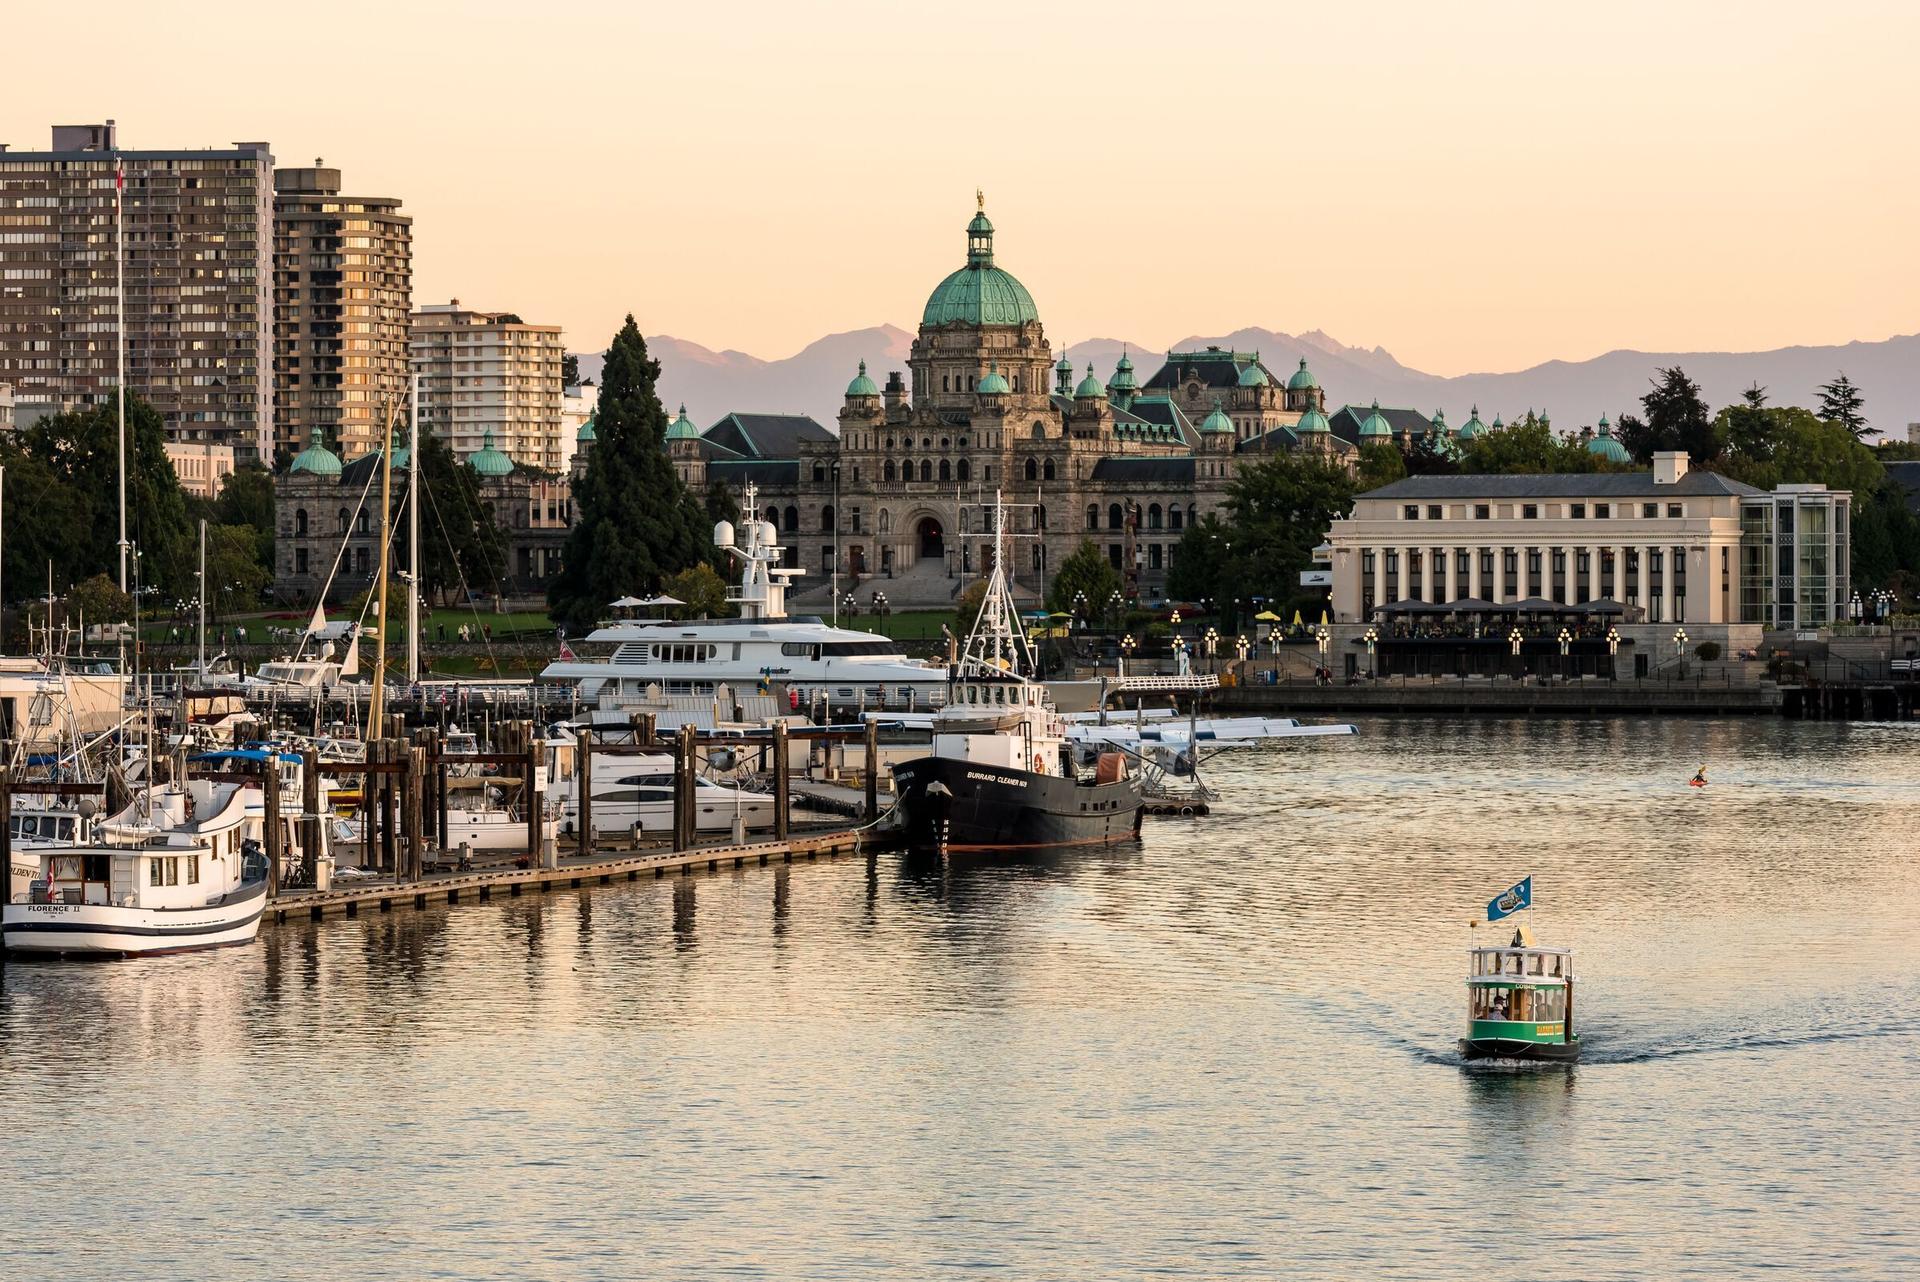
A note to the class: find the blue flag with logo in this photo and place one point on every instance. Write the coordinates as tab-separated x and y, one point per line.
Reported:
1511	900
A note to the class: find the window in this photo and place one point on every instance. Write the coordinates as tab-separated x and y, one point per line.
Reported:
855	520
1154	555
1093	516
1649	510
826	519
886	471
1153	516
300	522
1579	512
1033	470
1601	511
962	470
946	470
1529	512
926	469
1046	470
819	473
1675	510
1174	517
1411	512
1482	511
1116	519
792	522
1433	512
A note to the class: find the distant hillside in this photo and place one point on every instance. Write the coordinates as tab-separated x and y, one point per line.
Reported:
1574	392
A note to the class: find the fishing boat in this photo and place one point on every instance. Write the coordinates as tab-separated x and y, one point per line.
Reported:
183	868
1520	1003
1002	774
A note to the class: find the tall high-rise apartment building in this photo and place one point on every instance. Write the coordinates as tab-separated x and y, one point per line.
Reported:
199	292
488	377
342	289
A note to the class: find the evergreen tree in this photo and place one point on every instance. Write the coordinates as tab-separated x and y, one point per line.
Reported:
1678	418
460	539
1840	402
570	370
634	522
1088	574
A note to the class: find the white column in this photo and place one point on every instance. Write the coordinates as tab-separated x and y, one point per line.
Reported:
1405	585
1453	574
1618	588
1473	573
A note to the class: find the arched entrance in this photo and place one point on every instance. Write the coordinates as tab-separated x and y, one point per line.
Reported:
933	544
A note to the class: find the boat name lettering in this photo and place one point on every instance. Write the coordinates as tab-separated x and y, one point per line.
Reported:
987	778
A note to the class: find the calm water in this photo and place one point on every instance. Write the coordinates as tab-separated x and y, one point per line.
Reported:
1225	1053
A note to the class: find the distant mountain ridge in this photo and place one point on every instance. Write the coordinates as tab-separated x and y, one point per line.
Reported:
812	380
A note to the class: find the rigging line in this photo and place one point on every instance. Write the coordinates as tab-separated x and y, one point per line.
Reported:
466	590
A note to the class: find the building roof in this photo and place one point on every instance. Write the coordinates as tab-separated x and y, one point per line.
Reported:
487	461
861	384
1303	379
1162	411
1345	422
980	293
1278	438
1597	485
1214	367
682	428
1145	471
316	458
777	473
765	436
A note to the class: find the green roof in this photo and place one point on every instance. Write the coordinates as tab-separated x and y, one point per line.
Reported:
1303	379
979	293
995	383
861	384
1374	424
682	428
1609	448
1473	426
587	430
1217	421
1252	375
1089	386
488	461
1123	378
316	458
1313	421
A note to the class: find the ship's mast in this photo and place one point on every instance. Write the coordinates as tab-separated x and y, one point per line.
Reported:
376	702
997	645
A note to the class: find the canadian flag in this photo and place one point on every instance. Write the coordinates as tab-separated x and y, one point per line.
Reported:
566	652
119	179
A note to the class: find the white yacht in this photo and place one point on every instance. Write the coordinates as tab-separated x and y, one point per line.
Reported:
763	647
635	794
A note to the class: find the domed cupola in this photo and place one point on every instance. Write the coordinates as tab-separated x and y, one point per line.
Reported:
1251	375
1375	425
588	433
1473	426
980	293
1216	421
1607	445
1125	386
682	428
316	459
1090	388
995	383
487	461
1303	379
1063	375
860	386
1312	423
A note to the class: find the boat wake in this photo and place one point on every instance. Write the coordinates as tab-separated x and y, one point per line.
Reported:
1596	1049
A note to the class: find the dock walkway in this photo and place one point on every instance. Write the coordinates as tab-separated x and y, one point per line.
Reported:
385	895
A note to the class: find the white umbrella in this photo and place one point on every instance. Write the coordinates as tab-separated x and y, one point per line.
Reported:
626	602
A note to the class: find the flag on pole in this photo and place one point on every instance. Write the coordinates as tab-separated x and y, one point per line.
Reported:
566	651
1511	900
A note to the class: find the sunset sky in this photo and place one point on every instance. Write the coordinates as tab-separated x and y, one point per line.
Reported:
1473	187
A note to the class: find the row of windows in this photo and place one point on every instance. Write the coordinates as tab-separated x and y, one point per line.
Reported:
1175	518
1531	511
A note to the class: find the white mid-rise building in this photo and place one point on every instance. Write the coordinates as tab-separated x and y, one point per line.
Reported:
489	378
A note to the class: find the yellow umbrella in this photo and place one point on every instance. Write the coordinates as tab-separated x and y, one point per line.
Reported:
1296	618
1266	616
1323	618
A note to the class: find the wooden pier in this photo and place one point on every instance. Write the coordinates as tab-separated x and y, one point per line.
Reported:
350	899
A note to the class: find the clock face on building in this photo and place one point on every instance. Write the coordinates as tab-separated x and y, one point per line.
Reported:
1193	391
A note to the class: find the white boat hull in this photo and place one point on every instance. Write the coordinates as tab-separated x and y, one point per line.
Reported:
615	817
108	930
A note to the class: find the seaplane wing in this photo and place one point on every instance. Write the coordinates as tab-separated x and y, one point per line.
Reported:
1211	732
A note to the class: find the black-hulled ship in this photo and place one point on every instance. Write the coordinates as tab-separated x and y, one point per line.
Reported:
1001	775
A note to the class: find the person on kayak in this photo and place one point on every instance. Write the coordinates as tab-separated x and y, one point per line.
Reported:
1699	779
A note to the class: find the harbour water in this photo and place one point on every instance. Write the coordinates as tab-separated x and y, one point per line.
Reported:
1226	1052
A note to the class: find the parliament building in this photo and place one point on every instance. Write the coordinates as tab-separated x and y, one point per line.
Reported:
890	500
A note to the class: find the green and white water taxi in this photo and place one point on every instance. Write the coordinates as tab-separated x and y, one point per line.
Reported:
1520	1003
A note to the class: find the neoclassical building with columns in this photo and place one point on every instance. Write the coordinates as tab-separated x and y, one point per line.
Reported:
890	499
1676	547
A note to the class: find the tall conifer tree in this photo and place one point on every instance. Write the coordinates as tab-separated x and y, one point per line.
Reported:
634	522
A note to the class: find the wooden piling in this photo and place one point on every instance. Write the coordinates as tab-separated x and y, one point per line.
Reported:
684	773
6	831
413	785
782	803
872	738
583	792
310	821
389	854
530	794
270	789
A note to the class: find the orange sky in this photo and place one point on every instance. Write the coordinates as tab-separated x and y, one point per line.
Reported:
1473	187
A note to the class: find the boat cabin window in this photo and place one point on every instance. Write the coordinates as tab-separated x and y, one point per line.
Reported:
163	870
1536	965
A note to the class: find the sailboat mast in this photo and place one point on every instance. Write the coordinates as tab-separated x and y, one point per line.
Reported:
413	538
203	599
375	704
120	342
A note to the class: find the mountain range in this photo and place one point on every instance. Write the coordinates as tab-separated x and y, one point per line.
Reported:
811	381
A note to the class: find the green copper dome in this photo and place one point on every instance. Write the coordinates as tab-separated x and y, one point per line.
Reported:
402	456
1217	421
1374	425
1123	379
861	384
587	431
995	383
1606	446
488	461
1312	421
1473	426
1089	386
1497	424
316	458
682	428
980	293
1253	375
1303	379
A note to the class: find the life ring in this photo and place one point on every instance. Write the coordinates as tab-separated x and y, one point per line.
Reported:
1186	812
1038	765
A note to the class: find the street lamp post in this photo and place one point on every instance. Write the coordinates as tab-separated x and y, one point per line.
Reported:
1126	652
1680	648
1513	640
1213	643
1613	653
1371	637
1324	638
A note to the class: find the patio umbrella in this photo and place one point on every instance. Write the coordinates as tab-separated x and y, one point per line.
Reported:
1603	605
1268	616
626	603
1471	605
1536	605
1323	618
1296	618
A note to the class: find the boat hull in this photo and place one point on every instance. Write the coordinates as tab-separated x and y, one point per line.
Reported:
1473	1048
950	805
106	930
